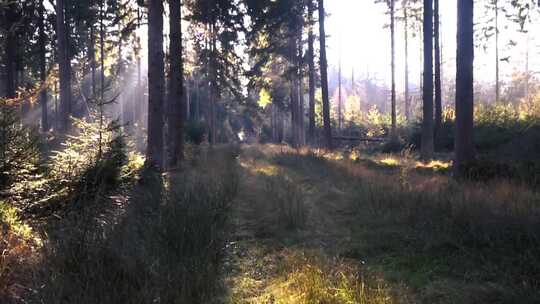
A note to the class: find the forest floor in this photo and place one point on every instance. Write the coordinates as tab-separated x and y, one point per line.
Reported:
311	227
265	224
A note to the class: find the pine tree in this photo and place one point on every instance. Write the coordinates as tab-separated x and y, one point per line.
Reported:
156	80
42	68
64	68
427	124
393	66
311	72
324	78
176	104
438	88
464	151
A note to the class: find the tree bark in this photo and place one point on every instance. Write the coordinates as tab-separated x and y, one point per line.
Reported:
156	80
124	113
527	70
42	69
497	61
300	79
427	125
176	104
294	110
92	58
139	91
214	90
101	101
64	69
280	125
187	99
311	66
438	89
10	45
340	102
19	75
393	64
296	98
197	101
324	78
293	57
464	151
407	92
102	51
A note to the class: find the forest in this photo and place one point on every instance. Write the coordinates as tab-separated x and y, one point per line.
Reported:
270	151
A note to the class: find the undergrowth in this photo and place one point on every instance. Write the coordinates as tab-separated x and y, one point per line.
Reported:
452	242
478	232
18	246
165	247
311	277
288	200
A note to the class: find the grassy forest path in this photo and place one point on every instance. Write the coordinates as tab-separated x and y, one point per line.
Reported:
313	227
269	224
292	232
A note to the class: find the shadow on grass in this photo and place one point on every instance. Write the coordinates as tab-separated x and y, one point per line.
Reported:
159	241
471	242
280	255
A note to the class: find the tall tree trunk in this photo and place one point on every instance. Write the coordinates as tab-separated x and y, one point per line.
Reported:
156	80
176	104
101	101
64	68
311	65
421	59
139	91
56	93
124	118
214	90
120	82
19	75
187	96
197	101
497	61
352	81
427	125
527	69
464	151
102	50
324	78
187	99
294	111
273	121
393	63
92	59
407	92
300	79
138	99
438	89
9	46
280	125
340	102
294	95
42	69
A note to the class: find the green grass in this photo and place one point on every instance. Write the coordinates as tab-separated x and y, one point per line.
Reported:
288	227
473	233
165	246
448	242
18	244
307	277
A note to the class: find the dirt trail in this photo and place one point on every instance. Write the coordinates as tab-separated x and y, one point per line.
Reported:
377	229
260	250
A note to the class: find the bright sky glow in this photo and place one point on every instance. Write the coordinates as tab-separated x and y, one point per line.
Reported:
356	29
